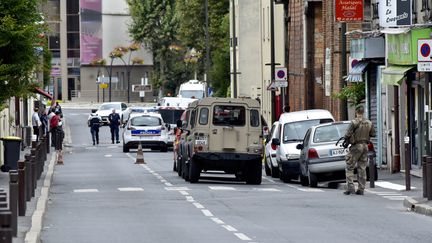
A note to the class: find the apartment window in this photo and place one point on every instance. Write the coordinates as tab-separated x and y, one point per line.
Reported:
375	11
73	53
54	42
73	40
73	23
72	6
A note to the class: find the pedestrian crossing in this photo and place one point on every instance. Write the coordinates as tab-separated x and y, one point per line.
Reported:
393	196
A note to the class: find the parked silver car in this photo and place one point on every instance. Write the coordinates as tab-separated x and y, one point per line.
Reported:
321	157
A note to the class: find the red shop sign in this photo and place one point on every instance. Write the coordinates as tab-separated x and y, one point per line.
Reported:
349	10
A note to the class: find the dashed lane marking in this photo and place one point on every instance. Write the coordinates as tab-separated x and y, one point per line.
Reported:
222	188
217	221
207	212
181	188
242	236
184	193
229	228
85	190
198	205
266	189
130	189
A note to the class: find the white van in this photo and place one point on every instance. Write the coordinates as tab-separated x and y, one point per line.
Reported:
292	129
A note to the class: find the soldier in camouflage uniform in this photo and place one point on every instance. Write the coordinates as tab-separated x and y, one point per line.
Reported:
358	135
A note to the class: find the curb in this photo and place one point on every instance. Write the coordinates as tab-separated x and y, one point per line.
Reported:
418	206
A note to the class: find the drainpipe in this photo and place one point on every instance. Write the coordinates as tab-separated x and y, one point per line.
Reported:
342	84
272	58
396	157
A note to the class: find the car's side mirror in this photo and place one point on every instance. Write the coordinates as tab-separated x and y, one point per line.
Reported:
179	123
276	141
299	146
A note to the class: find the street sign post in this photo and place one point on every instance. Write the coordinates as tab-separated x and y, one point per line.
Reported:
142	87
281	77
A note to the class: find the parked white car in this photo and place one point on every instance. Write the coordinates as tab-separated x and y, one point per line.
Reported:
293	129
106	108
149	130
270	163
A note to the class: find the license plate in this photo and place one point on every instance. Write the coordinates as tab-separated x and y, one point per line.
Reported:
338	152
201	141
145	132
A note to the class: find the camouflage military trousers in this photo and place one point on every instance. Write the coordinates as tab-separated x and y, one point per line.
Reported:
357	156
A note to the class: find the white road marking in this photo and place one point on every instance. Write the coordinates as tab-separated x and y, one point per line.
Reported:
207	213
271	180
181	188
190	199
198	205
310	190
168	184
85	190
108	155
266	189
163	181
242	236
159	177
130	189
184	193
395	197
218	221
389	194
222	188
389	185
229	228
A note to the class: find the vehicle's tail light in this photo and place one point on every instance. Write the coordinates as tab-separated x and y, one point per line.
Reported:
371	147
274	146
312	153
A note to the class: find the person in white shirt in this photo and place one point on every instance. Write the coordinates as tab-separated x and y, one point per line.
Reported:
36	122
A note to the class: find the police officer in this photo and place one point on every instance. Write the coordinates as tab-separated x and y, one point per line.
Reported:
94	122
358	135
114	123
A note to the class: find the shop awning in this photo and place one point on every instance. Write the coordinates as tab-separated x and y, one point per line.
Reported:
43	92
393	75
356	73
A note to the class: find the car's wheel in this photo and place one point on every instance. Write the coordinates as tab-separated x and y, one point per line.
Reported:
185	171
274	172
164	149
266	167
313	180
304	180
254	173
174	165
194	171
284	177
125	148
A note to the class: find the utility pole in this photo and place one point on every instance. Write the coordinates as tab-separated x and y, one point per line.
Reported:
234	48
272	59
207	40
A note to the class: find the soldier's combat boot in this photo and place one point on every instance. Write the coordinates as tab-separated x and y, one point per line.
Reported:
359	192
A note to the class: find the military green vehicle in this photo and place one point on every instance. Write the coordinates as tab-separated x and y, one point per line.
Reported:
221	134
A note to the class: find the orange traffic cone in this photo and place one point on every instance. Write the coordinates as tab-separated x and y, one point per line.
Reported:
140	156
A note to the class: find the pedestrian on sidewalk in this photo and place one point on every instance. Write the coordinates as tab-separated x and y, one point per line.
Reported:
94	122
36	122
358	135
44	121
57	133
114	123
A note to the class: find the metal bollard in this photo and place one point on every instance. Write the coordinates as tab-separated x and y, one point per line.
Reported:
5	224
429	177
28	177
13	200
47	142
372	171
22	206
33	171
424	175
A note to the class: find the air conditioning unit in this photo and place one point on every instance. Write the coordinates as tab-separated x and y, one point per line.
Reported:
27	136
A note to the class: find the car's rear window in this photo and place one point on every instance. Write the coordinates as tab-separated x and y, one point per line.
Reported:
295	131
110	107
330	133
229	115
171	116
146	121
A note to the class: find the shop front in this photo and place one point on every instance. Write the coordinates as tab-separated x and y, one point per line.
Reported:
407	88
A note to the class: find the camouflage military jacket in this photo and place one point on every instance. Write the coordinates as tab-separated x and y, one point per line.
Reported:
360	131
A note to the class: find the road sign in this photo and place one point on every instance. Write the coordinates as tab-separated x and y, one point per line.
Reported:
105	80
281	74
424	50
141	87
271	87
103	85
424	56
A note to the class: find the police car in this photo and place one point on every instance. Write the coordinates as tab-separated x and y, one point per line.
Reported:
147	129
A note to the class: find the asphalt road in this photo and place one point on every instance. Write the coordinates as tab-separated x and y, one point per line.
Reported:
101	195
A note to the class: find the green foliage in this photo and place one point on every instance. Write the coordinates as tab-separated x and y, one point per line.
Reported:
171	27
21	42
353	93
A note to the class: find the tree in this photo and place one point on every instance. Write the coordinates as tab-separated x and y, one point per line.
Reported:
154	24
21	41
